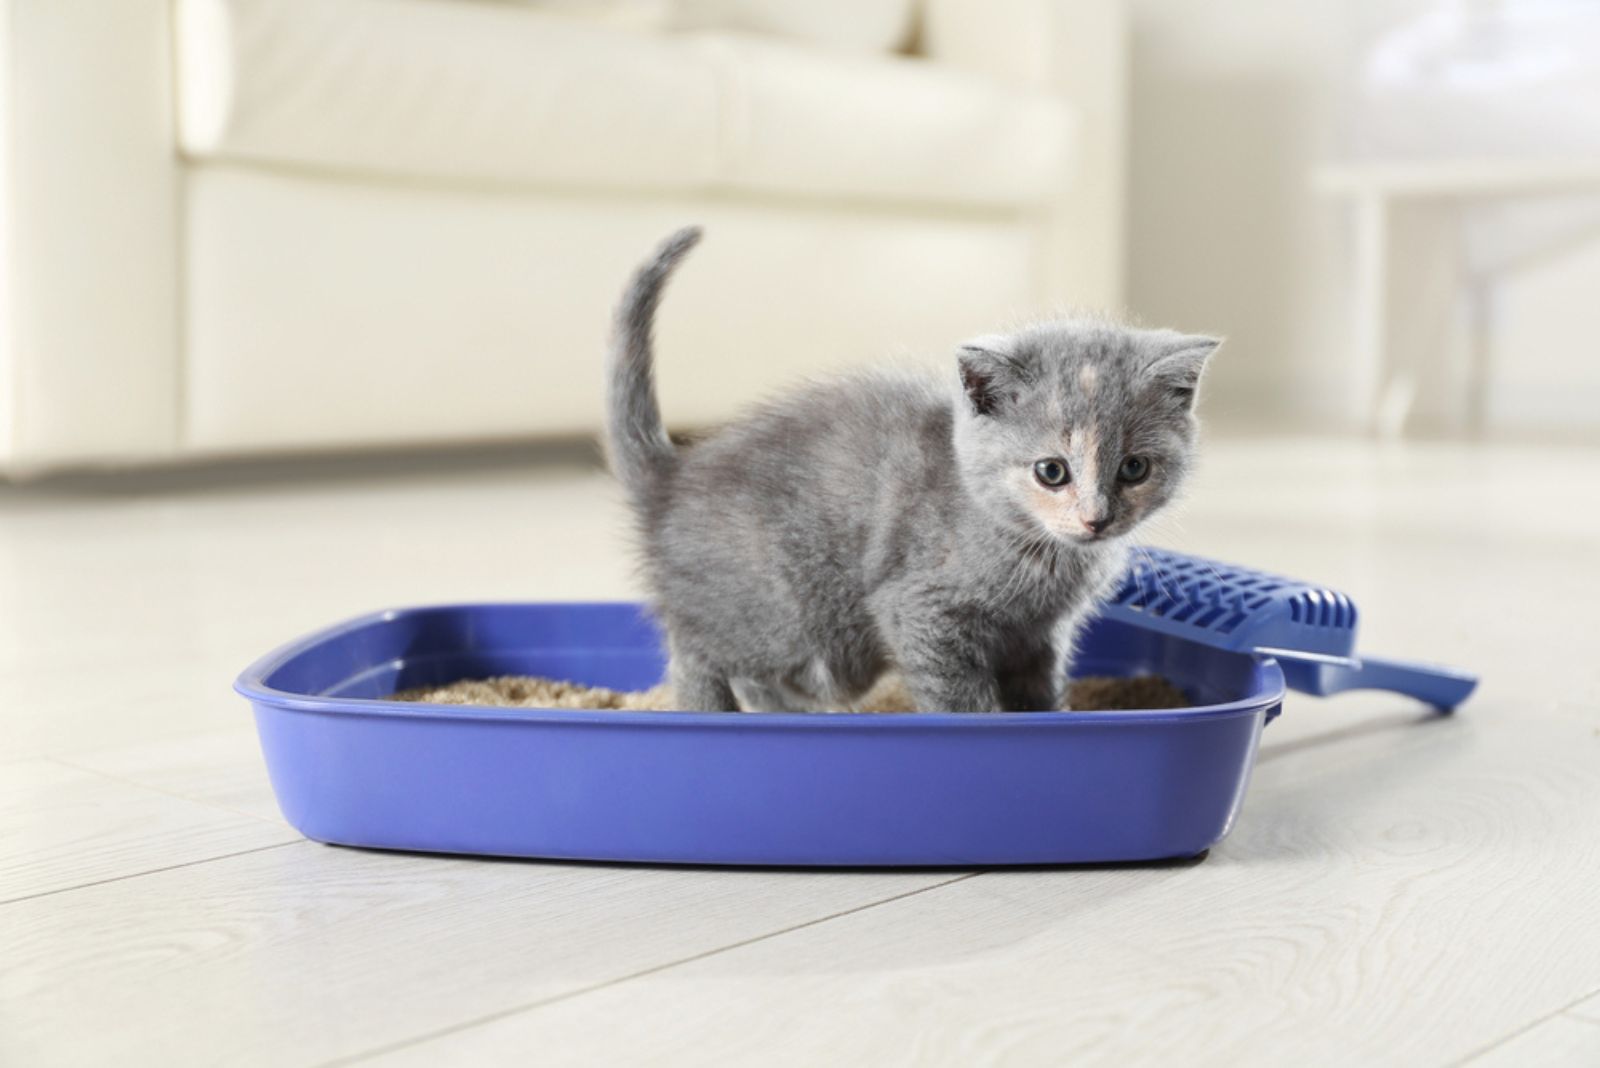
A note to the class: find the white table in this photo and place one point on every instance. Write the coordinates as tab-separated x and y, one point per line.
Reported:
1431	238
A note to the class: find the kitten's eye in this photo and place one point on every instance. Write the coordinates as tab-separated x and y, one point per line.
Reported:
1051	472
1134	470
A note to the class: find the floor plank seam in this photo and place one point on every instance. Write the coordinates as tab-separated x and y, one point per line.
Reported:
150	871
1484	1050
532	1006
123	780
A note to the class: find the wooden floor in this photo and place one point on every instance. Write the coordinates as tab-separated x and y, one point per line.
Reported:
1400	889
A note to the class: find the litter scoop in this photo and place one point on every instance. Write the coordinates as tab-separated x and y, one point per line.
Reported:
1310	630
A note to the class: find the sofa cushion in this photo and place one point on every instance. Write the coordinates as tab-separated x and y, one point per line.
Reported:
430	89
624	14
854	25
332	313
506	95
815	123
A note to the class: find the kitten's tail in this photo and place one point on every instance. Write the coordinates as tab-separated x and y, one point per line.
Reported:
641	454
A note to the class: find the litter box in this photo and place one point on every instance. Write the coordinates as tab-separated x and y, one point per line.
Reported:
352	768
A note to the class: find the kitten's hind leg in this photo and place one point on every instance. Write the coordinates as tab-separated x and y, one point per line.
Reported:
697	688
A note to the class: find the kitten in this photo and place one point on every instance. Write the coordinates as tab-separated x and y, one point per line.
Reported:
956	531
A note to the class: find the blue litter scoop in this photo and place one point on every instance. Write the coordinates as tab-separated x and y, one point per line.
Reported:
1310	630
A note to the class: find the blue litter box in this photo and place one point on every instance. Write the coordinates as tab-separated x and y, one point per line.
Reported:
353	768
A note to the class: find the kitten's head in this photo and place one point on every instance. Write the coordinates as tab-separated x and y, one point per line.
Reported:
1078	429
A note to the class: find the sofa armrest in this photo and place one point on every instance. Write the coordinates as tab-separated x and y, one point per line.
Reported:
1078	48
88	233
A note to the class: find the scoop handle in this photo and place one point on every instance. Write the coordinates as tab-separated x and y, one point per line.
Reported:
1443	688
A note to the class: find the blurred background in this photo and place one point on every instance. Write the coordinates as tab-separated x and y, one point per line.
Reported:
248	228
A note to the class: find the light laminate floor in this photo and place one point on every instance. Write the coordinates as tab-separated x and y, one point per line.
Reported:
1400	889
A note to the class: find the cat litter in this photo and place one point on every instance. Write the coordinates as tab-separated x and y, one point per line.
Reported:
529	691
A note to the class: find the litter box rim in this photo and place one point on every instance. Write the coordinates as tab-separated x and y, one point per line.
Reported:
1267	689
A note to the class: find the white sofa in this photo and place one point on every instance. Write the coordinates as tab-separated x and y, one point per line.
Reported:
247	226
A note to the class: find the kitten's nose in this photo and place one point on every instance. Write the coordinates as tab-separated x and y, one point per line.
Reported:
1098	526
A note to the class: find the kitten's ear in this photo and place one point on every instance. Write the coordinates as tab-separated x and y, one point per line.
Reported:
988	369
1178	362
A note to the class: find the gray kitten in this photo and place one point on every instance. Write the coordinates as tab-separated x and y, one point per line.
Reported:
955	530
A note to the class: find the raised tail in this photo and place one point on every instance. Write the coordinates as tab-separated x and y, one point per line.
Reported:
641	454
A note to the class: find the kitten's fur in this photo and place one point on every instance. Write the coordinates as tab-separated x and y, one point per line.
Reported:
886	520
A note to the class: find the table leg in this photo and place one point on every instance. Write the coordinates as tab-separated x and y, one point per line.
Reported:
1371	305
